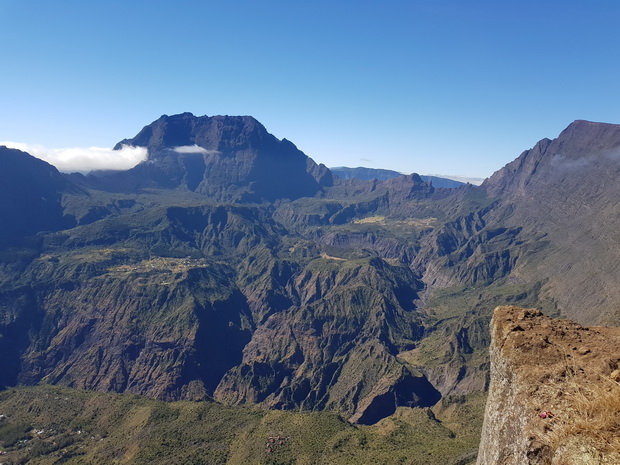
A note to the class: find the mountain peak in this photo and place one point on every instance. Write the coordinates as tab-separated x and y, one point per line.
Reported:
582	143
224	157
209	132
583	138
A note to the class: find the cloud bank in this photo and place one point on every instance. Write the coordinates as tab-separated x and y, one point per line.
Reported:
194	149
84	159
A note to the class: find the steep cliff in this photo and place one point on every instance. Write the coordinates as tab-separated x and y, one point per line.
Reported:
554	396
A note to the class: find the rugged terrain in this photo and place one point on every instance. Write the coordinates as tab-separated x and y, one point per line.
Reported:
555	392
230	266
46	425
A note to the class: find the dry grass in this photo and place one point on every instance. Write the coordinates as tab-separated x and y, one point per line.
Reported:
590	414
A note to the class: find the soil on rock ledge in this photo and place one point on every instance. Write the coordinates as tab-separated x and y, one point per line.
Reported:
555	394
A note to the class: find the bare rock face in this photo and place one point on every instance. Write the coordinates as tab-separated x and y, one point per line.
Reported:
552	398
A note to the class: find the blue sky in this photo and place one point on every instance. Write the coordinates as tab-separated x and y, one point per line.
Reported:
449	87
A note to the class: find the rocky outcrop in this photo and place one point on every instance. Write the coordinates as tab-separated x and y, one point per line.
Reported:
554	392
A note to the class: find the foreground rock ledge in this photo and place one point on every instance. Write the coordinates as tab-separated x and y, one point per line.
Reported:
554	397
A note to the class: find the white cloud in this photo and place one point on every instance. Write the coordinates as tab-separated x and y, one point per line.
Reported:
84	159
194	149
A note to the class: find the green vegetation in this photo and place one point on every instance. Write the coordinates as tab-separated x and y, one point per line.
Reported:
461	317
450	302
50	424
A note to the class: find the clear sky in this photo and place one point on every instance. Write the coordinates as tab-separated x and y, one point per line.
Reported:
449	87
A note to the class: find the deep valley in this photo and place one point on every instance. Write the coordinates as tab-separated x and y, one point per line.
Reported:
239	280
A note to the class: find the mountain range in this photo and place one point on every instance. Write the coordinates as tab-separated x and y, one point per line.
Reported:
368	174
229	266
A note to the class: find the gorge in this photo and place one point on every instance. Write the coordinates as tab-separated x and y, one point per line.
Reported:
230	267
